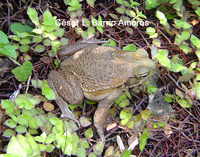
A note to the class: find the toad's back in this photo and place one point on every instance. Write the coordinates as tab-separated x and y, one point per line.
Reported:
97	68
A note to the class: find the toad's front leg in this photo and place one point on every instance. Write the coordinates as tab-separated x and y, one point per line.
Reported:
101	113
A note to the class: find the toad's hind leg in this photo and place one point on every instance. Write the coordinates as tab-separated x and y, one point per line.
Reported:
66	89
101	113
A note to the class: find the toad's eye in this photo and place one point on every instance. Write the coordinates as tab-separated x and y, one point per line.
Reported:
141	72
143	75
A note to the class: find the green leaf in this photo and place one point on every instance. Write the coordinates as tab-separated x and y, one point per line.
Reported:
49	139
119	1
157	42
25	41
8	133
37	31
145	114
120	10
34	111
92	155
177	67
182	24
23	119
38	121
24	48
39	48
162	18
9	50
88	133
54	120
15	46
134	3
160	15
19	28
195	41
109	151
64	41
37	83
197	11
151	4
90	30
114	16
53	35
14	118
3	38
98	148
130	47
19	100
10	123
55	43
185	48
123	114
151	89
60	32
27	113
124	121
33	15
84	121
27	105
90	2
164	60
47	42
21	129
10	110
126	153
36	39
81	152
6	104
172	1
185	35
39	139
34	100
73	3
184	103
155	35
13	37
130	124
15	148
22	72
47	15
49	93
33	131
142	144
84	143
168	99
50	148
42	147
121	98
33	144
60	126
143	139
111	43
86	22
124	103
23	142
32	124
150	30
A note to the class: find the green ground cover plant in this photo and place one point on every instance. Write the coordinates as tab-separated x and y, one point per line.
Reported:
34	130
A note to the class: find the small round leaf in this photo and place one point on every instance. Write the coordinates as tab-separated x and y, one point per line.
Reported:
39	48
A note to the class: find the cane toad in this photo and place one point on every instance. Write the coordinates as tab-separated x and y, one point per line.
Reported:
97	73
